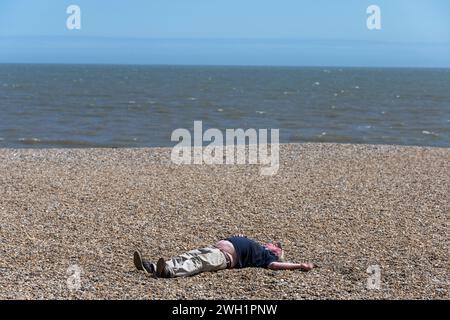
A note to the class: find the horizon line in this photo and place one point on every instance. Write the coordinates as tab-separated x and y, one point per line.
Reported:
221	65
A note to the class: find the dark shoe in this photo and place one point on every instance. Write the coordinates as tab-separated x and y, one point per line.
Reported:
161	269
149	267
137	259
142	264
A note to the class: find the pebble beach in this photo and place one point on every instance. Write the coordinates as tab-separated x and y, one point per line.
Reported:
345	207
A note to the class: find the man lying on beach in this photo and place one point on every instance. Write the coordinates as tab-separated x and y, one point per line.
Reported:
234	252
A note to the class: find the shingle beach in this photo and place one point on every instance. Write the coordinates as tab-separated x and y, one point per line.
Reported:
344	207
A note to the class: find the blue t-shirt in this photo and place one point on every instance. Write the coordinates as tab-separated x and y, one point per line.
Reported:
251	254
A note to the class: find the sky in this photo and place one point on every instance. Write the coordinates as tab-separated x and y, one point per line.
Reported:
414	33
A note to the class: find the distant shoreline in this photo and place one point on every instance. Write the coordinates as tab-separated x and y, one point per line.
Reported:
26	150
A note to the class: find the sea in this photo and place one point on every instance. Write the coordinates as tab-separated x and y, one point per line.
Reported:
84	106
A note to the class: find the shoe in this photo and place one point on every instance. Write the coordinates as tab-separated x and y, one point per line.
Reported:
137	259
149	267
143	265
161	269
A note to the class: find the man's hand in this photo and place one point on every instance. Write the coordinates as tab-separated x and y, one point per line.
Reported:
292	266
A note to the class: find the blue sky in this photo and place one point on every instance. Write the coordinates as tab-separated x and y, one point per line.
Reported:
261	32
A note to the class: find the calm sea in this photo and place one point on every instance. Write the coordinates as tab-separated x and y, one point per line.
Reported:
134	106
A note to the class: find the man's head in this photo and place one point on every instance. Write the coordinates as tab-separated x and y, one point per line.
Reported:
276	249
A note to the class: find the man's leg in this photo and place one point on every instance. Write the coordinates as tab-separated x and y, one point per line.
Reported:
194	262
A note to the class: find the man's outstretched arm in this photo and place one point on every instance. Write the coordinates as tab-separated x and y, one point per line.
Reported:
291	266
